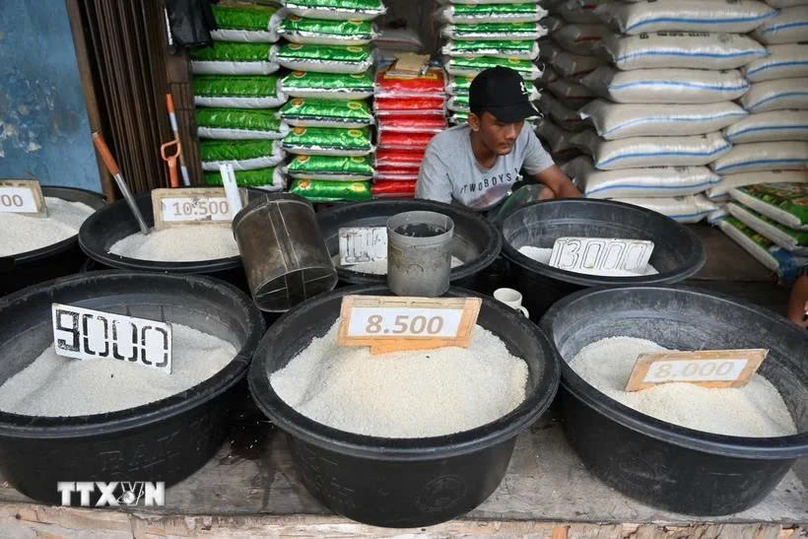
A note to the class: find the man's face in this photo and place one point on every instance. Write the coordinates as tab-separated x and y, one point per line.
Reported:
498	136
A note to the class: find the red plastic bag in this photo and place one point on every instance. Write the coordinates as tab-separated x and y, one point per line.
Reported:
424	105
382	189
408	124
397	169
386	157
404	141
430	83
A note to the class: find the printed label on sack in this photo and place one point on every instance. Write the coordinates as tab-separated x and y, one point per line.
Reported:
22	196
390	323
362	244
601	255
195	206
711	368
89	334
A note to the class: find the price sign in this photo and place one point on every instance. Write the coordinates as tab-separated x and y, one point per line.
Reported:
22	196
710	368
362	244
195	206
86	334
390	323
601	254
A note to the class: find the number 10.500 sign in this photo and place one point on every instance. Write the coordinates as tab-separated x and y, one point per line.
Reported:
195	206
387	323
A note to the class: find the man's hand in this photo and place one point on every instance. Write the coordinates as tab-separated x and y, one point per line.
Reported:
798	302
554	178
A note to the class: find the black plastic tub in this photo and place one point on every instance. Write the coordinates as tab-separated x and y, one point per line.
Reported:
115	222
476	242
165	440
401	482
678	253
656	462
57	260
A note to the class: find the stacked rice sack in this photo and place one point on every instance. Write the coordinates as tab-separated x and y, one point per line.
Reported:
664	101
486	33
410	110
570	53
329	115
764	175
237	96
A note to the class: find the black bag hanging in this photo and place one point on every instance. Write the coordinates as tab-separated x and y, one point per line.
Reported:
190	22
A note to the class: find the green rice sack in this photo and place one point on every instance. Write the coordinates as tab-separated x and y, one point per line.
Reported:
459	103
328	141
785	263
330	191
788	238
522	49
470	67
491	13
242	154
459	86
326	32
459	118
325	58
239	124
246	23
328	85
786	203
228	58
313	112
336	10
495	31
269	179
238	91
310	167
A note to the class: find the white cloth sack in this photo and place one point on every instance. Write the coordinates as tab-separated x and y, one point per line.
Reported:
666	85
731	181
617	121
789	26
580	38
774	126
776	95
762	156
687	209
783	62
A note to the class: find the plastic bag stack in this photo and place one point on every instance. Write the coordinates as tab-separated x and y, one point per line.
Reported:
329	115
662	106
486	33
569	53
410	110
237	96
764	176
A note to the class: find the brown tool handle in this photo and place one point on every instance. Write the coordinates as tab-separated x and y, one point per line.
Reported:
174	179
170	103
103	149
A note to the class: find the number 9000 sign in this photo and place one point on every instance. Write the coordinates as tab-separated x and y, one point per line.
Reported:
404	325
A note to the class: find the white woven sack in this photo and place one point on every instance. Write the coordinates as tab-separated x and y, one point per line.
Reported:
737	16
638	152
776	95
731	181
666	85
762	156
783	62
687	209
580	38
771	126
789	26
562	115
690	50
617	121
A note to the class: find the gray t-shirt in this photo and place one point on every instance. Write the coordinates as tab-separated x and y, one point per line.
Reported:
450	171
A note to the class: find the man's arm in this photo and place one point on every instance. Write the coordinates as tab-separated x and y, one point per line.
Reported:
433	179
558	182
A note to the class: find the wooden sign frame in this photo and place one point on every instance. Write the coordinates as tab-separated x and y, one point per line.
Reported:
158	195
379	344
753	356
36	189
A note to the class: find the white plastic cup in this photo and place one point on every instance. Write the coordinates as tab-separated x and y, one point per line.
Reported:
512	298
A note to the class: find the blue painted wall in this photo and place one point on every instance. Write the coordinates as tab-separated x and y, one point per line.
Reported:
44	130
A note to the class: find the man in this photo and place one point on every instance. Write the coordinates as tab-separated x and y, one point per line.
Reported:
798	301
477	164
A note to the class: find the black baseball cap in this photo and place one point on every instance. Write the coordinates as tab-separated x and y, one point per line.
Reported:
502	92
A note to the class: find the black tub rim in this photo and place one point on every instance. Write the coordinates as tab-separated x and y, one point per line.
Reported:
491	251
56	427
402	449
35	255
780	447
93	248
690	268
